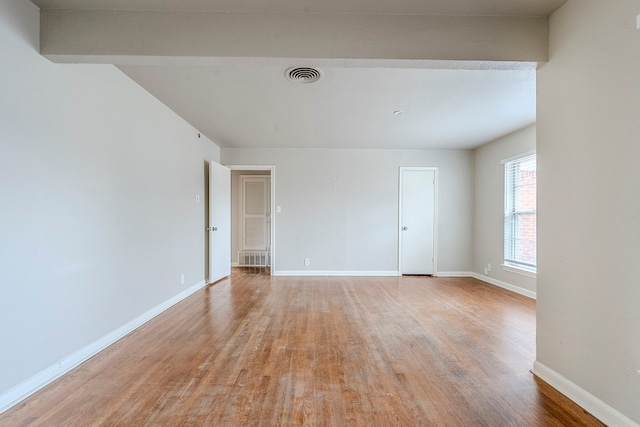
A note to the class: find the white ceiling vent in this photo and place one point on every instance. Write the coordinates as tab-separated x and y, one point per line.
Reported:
303	74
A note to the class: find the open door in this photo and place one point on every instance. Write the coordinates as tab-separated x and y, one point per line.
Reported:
219	222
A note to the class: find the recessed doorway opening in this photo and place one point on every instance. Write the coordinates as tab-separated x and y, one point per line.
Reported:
252	221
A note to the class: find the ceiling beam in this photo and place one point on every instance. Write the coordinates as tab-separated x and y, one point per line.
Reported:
102	36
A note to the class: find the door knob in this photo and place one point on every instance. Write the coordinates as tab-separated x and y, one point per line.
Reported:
405	228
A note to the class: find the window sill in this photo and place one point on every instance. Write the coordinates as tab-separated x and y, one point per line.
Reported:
520	271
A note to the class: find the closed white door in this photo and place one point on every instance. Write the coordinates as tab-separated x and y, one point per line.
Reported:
255	211
219	222
417	221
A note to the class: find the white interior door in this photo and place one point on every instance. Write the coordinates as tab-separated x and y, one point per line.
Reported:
219	222
255	212
417	220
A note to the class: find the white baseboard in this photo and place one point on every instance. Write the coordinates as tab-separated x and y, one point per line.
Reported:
336	273
454	274
505	285
38	381
234	264
583	398
490	280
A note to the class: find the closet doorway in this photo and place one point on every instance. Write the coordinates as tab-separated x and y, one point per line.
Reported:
418	221
252	219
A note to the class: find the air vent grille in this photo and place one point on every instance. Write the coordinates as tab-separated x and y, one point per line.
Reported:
304	74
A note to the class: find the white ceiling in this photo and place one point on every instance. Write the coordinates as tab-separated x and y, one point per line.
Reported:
248	102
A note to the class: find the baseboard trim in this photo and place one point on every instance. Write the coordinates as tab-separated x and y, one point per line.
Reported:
336	273
235	264
43	378
505	285
453	274
583	398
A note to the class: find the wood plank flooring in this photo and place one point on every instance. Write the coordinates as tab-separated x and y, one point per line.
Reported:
253	350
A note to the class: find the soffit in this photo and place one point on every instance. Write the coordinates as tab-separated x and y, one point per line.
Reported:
408	7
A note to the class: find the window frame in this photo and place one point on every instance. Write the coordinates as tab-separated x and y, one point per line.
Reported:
512	222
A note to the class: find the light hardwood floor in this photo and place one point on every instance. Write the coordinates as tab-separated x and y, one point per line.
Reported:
259	351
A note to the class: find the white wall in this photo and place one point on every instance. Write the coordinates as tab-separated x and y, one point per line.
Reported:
340	207
589	201
98	218
488	245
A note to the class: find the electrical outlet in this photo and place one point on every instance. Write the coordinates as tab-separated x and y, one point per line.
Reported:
307	261
488	267
182	279
486	272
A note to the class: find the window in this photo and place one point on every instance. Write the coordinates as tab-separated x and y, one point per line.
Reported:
520	213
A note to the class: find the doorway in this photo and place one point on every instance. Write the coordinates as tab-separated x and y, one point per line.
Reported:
252	220
418	220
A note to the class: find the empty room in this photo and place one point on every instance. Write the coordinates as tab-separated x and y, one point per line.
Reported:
319	213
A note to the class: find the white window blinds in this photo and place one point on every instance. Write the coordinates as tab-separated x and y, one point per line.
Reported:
520	212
